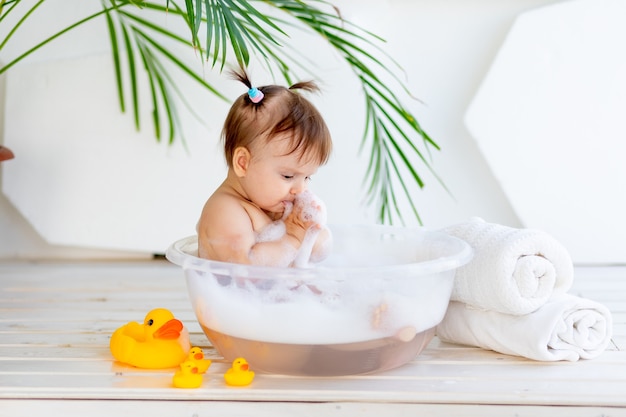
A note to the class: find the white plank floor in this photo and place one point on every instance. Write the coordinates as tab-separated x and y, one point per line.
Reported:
56	320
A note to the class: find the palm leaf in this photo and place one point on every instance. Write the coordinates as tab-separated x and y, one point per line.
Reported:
20	21
116	60
46	41
147	63
130	54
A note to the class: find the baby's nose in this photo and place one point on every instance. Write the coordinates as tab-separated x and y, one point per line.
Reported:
298	187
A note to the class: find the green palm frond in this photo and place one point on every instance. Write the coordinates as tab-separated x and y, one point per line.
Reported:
5	12
223	30
149	39
14	5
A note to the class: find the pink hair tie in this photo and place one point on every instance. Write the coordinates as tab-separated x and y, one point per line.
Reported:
255	95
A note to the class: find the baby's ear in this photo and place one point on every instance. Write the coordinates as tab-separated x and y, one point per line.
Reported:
241	161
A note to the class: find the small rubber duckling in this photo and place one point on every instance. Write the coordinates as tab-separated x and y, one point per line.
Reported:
196	355
160	342
187	376
240	373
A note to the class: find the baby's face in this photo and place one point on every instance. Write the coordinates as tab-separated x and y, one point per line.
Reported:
274	178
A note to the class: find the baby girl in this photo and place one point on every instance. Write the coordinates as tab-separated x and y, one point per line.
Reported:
274	141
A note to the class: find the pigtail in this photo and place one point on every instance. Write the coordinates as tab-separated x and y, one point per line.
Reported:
241	76
309	86
255	95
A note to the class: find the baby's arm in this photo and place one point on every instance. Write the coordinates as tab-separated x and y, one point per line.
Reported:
323	245
306	248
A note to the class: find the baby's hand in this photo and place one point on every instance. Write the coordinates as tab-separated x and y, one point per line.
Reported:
308	212
312	209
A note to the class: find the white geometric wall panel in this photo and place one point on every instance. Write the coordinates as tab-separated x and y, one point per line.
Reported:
550	119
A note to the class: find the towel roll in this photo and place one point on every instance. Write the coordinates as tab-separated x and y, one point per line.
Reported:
565	328
514	271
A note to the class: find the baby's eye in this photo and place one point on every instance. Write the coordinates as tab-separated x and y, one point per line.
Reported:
288	177
308	178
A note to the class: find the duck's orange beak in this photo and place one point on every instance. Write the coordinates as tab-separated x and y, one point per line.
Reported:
169	331
245	367
198	356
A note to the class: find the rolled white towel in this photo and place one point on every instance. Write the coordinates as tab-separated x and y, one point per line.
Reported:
513	271
565	328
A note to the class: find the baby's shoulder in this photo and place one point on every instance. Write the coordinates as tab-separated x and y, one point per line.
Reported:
225	206
232	203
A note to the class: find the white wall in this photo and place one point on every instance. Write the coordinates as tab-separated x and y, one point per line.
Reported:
445	48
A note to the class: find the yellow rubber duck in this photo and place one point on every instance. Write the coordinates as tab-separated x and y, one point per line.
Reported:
196	355
160	342
187	376
240	373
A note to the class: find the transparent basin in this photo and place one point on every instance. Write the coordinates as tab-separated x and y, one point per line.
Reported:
371	306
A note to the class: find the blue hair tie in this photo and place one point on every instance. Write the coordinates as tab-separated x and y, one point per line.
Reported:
255	95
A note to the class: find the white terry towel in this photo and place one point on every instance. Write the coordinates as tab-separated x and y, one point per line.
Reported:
565	328
513	271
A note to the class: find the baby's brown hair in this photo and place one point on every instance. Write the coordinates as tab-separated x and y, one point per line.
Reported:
281	110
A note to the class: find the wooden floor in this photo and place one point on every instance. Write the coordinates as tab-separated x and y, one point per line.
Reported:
56	320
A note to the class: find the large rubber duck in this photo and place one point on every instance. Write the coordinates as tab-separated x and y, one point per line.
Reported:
240	373
187	376
196	355
160	342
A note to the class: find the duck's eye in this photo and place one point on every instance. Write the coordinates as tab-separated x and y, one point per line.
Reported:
150	322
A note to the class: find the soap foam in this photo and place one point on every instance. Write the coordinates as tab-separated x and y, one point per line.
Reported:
319	311
310	209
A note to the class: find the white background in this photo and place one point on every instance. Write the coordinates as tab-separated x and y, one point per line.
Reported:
66	93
